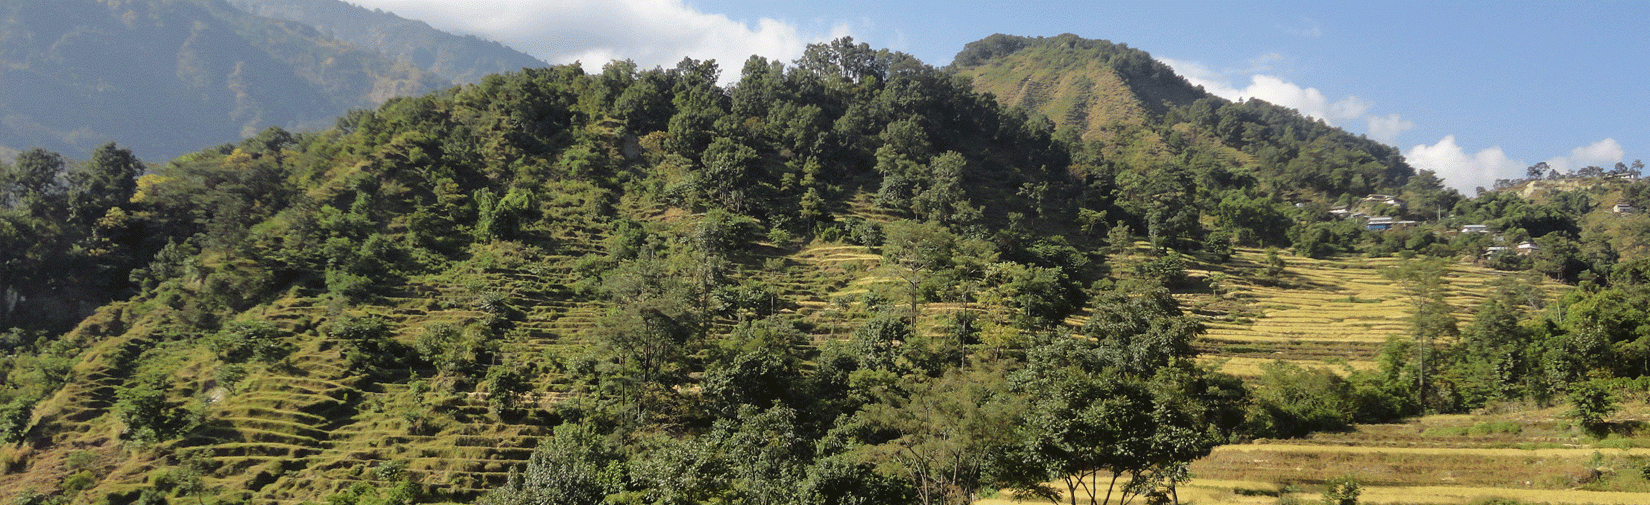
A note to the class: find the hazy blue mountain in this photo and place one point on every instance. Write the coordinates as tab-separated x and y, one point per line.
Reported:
461	59
172	76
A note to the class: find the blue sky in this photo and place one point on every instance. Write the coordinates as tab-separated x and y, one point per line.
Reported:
1474	90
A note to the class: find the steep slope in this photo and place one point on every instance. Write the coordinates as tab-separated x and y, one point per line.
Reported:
460	59
1135	111
419	294
171	76
1088	85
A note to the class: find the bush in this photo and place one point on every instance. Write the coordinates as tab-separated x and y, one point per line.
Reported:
148	412
1169	270
1292	401
252	340
1589	402
1343	490
14	419
367	343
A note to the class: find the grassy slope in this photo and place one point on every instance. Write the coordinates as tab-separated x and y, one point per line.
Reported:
300	432
1090	97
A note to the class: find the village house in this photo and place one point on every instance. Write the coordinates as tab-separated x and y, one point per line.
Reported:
1380	223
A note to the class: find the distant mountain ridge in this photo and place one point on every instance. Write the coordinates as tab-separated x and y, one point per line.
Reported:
173	76
460	59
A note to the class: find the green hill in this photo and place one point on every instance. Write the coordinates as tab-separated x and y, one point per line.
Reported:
1131	109
851	279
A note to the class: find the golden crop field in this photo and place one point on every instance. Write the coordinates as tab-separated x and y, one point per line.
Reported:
1333	312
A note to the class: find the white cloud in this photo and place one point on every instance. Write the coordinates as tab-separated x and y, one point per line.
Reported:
1604	153
1466	172
1386	129
593	32
1310	102
1461	170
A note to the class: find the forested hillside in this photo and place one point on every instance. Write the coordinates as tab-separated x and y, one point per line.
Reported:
170	76
851	278
1124	107
458	59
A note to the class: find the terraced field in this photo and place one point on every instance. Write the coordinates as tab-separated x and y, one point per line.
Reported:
1320	312
1531	456
310	427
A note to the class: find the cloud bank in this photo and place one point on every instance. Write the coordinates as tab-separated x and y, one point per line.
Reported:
593	32
1469	171
1310	102
1462	170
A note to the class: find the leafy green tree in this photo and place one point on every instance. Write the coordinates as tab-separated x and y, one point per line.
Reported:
842	479
503	218
254	340
575	465
505	387
109	180
14	419
1140	333
733	177
1087	417
1040	297
943	199
843	61
1342	490
915	250
753	378
1427	196
148	412
1422	282
647	336
1291	401
766	453
1491	354
947	434
1590	402
367	343
33	181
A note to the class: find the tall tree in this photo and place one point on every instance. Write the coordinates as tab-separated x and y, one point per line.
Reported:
1422	282
106	182
914	251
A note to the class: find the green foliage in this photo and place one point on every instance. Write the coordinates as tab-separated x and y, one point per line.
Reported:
647	234
254	340
946	433
367	343
1168	270
1291	401
505	388
576	465
1342	490
14	419
150	414
1590	402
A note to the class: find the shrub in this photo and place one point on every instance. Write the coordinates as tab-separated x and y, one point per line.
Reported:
1169	270
251	340
1589	403
1343	490
14	419
1292	401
